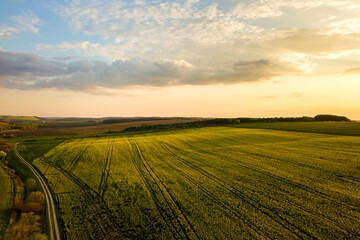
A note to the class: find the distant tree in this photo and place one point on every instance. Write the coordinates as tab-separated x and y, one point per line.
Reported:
34	207
2	155
30	184
5	146
328	117
37	197
18	205
38	236
9	136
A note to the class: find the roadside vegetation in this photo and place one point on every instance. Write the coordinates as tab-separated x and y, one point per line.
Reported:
6	198
207	183
7	188
21	201
8	126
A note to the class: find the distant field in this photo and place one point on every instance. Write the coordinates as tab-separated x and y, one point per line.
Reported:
18	118
208	183
93	129
337	128
6	195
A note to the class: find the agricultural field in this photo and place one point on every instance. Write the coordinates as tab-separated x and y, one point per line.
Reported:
206	183
6	197
9	118
73	129
336	128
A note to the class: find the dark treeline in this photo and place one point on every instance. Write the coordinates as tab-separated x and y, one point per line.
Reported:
137	119
326	117
234	121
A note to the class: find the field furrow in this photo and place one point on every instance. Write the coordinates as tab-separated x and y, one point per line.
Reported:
182	222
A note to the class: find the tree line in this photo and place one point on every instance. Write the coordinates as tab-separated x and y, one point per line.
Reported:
234	121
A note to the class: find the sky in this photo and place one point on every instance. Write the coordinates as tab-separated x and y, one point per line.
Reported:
191	58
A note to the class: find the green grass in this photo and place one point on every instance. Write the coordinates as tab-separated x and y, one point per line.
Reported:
6	197
34	149
335	128
208	183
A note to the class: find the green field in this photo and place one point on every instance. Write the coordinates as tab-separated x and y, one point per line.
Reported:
207	183
335	128
6	197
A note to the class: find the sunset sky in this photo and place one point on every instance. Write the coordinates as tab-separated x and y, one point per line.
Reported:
206	58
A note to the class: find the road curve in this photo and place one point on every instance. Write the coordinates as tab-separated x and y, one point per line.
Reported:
50	206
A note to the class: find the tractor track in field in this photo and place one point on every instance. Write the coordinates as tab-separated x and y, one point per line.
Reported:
289	183
106	222
187	230
256	205
75	161
154	198
103	185
227	207
308	190
285	180
50	205
312	157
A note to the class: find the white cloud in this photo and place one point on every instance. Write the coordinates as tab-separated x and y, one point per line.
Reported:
345	26
256	10
308	4
20	23
65	46
178	22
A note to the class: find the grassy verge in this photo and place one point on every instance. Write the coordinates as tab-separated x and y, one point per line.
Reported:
34	149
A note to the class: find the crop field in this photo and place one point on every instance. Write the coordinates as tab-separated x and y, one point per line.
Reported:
207	183
6	197
335	128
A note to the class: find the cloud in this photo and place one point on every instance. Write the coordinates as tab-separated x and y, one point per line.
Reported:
352	71
30	71
347	26
298	95
314	41
178	22
307	49
86	48
65	46
246	64
162	43
64	58
268	97
18	63
309	4
20	23
210	35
